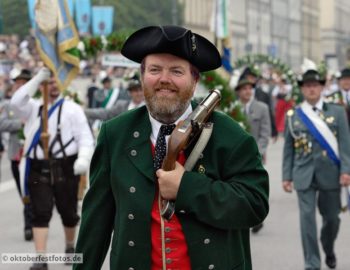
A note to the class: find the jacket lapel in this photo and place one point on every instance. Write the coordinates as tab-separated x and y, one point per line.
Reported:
139	149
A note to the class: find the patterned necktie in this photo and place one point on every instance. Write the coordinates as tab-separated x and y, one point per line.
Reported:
160	149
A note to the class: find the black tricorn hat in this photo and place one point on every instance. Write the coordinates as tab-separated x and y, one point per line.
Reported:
175	40
311	76
345	73
25	74
243	80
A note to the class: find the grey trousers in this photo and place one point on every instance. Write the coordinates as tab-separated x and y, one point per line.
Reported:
328	202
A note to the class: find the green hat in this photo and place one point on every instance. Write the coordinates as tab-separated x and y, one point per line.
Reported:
311	76
174	40
243	81
345	73
25	74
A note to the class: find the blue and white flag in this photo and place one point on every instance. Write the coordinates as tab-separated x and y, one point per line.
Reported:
31	7
226	59
102	20
83	16
70	4
57	38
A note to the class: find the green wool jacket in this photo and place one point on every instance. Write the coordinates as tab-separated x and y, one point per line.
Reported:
220	199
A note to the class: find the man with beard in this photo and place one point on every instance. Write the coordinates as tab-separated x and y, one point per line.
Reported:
52	181
216	202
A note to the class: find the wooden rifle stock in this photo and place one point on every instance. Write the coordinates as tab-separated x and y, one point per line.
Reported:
182	136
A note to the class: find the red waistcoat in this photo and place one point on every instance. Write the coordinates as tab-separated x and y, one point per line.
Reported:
175	244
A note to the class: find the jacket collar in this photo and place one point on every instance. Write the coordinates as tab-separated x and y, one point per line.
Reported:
139	149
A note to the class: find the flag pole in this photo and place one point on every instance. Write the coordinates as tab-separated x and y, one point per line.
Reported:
45	136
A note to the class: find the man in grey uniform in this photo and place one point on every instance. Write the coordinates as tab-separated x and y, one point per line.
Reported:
316	161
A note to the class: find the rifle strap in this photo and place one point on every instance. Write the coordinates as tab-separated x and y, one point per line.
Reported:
199	147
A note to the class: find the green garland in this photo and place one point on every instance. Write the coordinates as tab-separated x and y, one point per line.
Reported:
89	47
282	68
229	105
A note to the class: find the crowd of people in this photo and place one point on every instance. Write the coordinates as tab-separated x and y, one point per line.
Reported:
218	202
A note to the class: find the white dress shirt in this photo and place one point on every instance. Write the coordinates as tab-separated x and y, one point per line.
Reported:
73	123
156	125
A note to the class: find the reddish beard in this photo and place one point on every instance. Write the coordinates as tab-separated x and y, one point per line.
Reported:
167	108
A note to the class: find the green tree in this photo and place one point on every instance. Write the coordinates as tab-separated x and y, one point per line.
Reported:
15	18
134	14
128	14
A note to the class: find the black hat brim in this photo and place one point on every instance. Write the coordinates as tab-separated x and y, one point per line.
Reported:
243	83
301	82
173	40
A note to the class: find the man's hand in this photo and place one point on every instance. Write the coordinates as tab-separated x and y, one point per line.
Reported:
169	181
287	186
345	179
43	74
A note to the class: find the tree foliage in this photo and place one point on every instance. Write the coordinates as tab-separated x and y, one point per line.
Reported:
15	18
128	14
134	14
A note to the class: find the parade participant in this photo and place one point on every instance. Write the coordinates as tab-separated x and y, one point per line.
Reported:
257	114
107	96
110	97
136	101
10	122
316	161
281	94
53	181
262	96
344	85
217	202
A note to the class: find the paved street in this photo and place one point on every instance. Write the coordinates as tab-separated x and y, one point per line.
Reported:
276	247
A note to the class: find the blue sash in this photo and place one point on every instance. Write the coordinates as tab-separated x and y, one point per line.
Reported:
318	136
34	143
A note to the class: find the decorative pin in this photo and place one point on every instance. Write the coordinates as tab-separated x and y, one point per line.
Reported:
324	153
194	45
290	112
296	123
330	120
201	169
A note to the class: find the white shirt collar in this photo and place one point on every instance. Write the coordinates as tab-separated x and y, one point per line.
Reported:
246	107
318	105
156	124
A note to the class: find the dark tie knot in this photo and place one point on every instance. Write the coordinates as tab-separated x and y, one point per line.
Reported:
315	109
166	129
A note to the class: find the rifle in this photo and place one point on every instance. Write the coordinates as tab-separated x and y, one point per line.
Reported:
184	134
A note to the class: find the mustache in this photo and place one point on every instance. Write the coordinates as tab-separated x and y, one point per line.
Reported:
166	87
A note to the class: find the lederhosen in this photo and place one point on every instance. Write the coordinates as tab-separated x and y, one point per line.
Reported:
53	182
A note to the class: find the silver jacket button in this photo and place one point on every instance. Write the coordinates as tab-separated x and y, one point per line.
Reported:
132	189
136	134
131	243
131	268
133	153
131	217
211	266
206	241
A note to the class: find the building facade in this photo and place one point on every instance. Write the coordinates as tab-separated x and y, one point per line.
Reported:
335	33
287	29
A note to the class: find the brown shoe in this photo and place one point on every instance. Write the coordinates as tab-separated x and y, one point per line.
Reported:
39	266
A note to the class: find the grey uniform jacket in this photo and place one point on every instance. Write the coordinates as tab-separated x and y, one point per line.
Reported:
260	124
304	160
9	122
105	114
